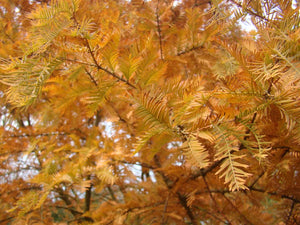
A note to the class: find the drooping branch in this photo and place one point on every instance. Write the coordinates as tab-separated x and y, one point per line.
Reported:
73	211
257	179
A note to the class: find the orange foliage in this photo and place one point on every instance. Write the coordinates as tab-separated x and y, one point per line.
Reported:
149	112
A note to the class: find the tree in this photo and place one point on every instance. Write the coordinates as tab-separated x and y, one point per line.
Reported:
149	112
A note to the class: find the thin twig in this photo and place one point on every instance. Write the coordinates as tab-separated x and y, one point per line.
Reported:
165	210
253	189
170	184
111	192
73	211
9	218
183	202
77	61
275	194
189	50
159	31
203	172
250	11
256	180
213	199
91	77
104	69
97	65
8	36
34	135
236	209
263	172
134	163
291	212
213	215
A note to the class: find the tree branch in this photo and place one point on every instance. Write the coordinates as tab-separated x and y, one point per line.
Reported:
165	210
203	172
67	201
212	198
189	212
104	69
223	191
290	213
79	62
275	194
189	50
263	172
182	199
213	215
112	194
236	209
91	77
24	135
250	11
88	195
98	66
159	31
9	218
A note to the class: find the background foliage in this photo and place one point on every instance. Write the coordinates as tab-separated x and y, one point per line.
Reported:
149	112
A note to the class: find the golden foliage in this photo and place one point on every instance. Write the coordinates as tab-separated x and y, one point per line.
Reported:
149	112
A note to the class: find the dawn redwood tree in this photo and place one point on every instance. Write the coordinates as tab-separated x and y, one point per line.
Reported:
149	112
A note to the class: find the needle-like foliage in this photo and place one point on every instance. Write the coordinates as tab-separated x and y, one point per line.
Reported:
149	112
